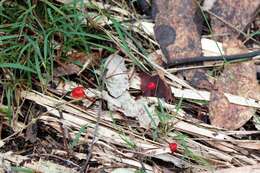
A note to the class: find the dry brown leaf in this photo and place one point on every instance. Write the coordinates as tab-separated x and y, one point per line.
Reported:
237	79
177	30
238	13
66	69
200	95
31	132
80	57
250	144
161	89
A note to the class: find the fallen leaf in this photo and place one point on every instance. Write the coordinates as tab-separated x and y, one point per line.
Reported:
31	133
178	35
250	144
66	69
236	79
116	75
236	13
117	83
175	30
70	68
154	86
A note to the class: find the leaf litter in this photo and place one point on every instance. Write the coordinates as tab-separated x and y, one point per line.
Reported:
147	121
117	83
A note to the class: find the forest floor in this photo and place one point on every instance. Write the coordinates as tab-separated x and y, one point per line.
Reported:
83	88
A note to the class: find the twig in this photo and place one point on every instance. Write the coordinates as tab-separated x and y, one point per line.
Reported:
64	133
57	157
192	60
90	149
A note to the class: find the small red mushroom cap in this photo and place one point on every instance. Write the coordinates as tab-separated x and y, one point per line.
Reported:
173	147
78	92
151	86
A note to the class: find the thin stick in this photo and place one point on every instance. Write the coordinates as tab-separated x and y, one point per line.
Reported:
64	133
90	149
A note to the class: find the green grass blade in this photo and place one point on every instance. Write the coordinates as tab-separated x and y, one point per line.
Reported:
17	66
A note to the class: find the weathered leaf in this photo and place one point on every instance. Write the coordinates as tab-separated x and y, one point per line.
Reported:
66	69
116	75
236	13
117	84
161	90
134	108
81	58
237	79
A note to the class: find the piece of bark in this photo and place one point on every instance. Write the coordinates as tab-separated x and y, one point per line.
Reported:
238	13
177	30
237	79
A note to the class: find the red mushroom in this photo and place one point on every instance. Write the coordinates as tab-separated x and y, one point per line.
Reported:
78	92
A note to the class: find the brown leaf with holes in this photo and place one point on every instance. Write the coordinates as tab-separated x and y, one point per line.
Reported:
237	79
154	86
